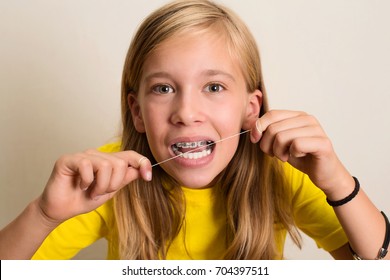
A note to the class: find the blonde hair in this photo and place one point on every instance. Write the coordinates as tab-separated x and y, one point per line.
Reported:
148	215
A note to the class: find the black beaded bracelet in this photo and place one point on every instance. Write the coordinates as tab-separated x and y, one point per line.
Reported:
346	199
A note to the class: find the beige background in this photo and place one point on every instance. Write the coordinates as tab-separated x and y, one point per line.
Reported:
61	63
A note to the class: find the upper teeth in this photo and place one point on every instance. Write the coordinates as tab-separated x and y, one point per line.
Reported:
192	144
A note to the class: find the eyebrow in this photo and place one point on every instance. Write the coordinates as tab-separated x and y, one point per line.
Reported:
157	75
207	73
212	72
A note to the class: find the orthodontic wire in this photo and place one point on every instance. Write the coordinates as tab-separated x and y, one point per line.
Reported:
198	148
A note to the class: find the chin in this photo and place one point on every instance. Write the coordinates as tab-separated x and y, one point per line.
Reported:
196	176
196	181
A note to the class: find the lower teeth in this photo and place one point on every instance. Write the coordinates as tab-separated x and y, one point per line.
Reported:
196	155
193	155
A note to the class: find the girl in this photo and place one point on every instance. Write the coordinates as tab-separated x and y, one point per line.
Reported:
229	178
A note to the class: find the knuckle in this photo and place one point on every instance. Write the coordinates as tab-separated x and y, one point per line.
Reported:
121	164
263	146
272	129
302	113
319	130
84	162
105	164
295	147
312	119
328	146
99	186
90	151
272	113
279	139
113	187
61	160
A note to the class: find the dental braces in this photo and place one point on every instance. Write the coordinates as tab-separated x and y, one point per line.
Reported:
201	147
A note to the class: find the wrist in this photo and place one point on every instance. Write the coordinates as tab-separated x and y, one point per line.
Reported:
341	189
346	199
42	218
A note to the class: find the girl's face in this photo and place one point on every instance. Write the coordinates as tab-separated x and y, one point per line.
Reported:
192	93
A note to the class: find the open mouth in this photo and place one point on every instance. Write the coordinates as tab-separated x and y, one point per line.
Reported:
193	150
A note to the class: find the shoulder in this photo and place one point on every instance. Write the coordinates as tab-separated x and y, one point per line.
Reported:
77	233
312	214
300	184
111	147
96	220
105	212
294	176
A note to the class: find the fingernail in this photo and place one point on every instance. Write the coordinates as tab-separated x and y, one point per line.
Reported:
259	128
141	160
148	176
97	197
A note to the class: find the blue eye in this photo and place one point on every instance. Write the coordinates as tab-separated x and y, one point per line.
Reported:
163	89
214	88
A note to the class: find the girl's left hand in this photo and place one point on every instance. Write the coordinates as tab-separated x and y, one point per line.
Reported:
299	139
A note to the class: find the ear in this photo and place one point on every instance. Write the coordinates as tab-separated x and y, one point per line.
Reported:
136	114
255	101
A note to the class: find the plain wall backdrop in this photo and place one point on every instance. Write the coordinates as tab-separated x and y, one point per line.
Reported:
61	64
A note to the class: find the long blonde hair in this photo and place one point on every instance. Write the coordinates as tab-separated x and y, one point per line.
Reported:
148	215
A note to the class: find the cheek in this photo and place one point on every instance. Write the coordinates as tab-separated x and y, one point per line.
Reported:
152	122
230	116
155	123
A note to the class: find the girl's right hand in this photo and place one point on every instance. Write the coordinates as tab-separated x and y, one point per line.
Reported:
82	182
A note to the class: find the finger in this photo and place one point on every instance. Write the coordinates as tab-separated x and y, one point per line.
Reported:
284	139
109	170
119	169
113	171
141	164
256	132
118	175
315	146
145	167
271	117
275	130
132	159
76	166
103	170
276	116
86	173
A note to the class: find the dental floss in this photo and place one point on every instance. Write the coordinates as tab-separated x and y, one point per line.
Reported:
220	140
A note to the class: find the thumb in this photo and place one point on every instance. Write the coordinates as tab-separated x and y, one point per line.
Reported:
256	131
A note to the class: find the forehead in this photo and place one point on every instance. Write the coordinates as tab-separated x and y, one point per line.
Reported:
193	49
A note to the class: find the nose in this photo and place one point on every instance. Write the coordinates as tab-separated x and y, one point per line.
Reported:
188	108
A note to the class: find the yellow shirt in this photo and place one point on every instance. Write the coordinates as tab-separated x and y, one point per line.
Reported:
203	234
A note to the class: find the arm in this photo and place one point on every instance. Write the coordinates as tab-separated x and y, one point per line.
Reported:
342	253
23	236
299	139
78	184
